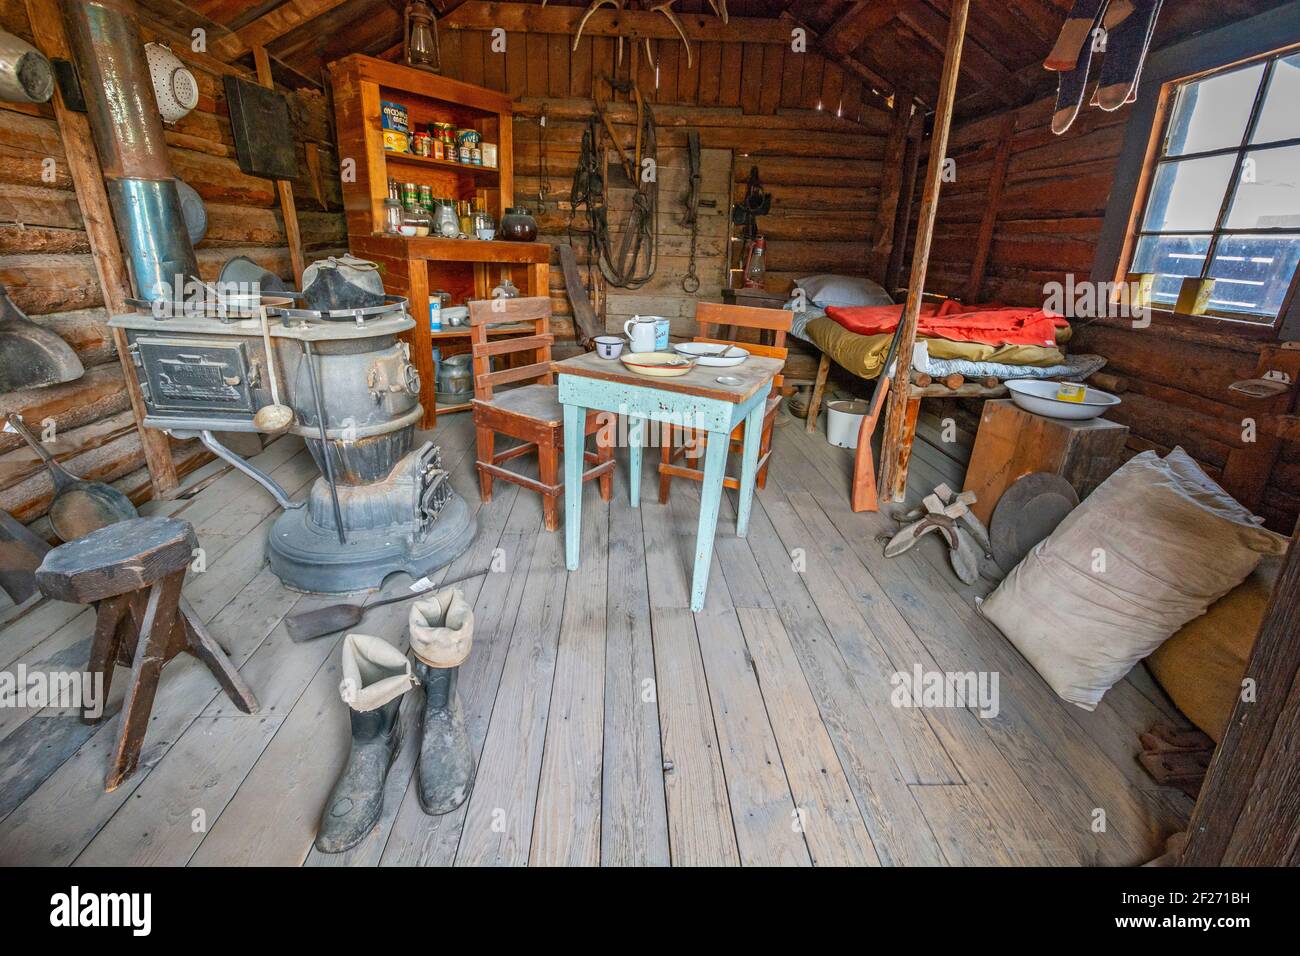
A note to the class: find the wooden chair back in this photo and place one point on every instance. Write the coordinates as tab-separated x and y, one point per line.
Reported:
713	318
484	313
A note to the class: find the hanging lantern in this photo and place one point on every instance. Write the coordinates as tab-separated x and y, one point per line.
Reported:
756	263
420	37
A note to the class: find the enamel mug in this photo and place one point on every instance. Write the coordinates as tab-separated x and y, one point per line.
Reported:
640	330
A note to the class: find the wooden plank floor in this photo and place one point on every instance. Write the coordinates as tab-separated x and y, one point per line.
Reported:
612	726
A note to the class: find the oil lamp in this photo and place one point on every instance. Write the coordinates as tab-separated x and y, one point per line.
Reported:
420	37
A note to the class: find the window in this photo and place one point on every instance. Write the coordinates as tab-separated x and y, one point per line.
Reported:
1224	195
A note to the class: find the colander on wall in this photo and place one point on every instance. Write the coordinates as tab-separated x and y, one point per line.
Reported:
174	85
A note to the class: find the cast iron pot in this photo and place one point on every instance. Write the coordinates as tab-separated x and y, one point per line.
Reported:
517	225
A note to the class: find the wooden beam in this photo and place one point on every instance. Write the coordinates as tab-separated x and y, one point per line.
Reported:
891	185
1246	815
997	179
271	26
283	187
869	77
895	449
985	68
88	181
903	217
861	19
632	25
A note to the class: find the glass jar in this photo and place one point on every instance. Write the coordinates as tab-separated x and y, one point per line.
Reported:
518	225
485	227
448	226
465	217
507	289
393	213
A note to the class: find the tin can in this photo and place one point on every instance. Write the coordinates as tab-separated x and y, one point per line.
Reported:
395	121
490	154
439	148
422	144
468	140
476	156
1071	392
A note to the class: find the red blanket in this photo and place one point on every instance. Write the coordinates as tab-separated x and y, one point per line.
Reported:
987	324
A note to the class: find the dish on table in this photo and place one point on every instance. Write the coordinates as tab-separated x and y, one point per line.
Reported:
1039	396
658	364
709	353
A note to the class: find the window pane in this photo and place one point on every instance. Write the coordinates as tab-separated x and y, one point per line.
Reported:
1171	258
1252	273
1268	196
1280	117
1186	194
1212	113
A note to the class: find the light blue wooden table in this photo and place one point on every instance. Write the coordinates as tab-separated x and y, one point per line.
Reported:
695	400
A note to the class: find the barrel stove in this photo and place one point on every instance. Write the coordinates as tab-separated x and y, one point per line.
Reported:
391	506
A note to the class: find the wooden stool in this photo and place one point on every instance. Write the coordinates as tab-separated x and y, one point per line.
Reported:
132	571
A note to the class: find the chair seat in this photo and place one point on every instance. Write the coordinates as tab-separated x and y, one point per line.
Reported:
537	401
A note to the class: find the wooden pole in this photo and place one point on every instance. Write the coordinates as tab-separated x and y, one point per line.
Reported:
283	187
896	445
114	280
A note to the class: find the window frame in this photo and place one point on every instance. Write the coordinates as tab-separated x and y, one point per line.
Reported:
1234	46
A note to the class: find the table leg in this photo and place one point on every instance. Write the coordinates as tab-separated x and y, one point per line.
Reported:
749	465
715	465
635	443
575	418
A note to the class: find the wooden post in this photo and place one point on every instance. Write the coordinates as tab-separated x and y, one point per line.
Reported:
997	179
895	448
1246	812
891	185
283	187
88	181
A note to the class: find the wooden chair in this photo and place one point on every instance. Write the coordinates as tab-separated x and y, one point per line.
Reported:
713	320
531	413
132	572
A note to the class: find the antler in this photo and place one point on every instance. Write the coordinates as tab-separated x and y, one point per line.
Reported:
596	5
666	8
719	7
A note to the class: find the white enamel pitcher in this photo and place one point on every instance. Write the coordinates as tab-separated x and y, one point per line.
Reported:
640	330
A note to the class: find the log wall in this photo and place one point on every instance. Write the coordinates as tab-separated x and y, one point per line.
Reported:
45	262
758	101
1050	199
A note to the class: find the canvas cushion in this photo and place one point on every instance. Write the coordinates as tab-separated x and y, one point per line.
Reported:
826	288
1154	546
1201	666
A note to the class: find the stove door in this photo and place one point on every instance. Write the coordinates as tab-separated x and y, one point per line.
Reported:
196	376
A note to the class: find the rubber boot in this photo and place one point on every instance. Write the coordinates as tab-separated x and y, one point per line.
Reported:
376	678
446	766
442	631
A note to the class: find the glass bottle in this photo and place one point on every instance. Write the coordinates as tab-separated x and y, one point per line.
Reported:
393	212
465	218
507	289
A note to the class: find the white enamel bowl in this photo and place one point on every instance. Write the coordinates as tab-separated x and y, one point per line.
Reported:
1039	397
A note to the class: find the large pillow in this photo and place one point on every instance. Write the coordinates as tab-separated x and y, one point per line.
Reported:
1201	666
828	289
1154	546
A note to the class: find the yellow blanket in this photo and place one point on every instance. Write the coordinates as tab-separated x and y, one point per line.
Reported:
863	355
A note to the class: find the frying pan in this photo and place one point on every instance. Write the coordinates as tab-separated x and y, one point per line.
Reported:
79	507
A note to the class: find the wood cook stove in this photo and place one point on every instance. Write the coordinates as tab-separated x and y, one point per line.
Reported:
392	507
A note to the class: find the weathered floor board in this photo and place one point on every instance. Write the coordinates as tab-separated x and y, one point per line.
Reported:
611	725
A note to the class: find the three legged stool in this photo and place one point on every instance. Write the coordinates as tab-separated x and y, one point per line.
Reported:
132	571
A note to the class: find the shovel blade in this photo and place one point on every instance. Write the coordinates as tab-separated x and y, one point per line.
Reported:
310	625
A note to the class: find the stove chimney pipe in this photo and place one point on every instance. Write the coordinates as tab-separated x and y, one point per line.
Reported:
124	120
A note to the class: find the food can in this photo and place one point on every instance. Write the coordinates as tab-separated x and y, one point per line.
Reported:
476	156
395	120
490	154
422	144
1071	392
439	149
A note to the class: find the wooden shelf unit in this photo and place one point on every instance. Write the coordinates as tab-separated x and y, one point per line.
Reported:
466	268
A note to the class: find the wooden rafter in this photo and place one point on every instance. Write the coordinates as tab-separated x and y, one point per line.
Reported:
270	26
847	33
630	24
873	80
984	67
